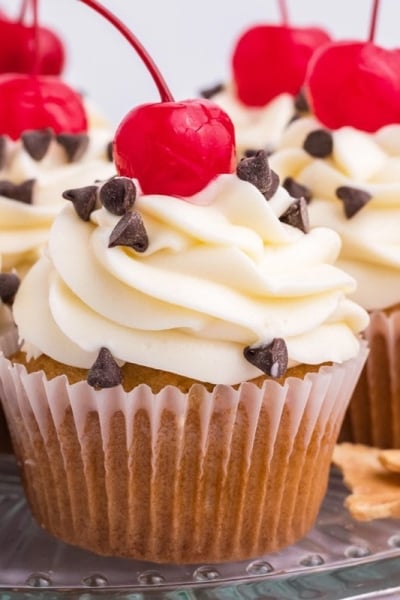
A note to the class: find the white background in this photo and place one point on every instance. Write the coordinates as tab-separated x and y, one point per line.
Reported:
190	40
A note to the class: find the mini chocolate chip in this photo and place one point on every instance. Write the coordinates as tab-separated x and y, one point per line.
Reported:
353	199
109	151
271	358
301	102
3	147
297	215
319	143
9	284
37	141
130	231
22	192
118	195
297	190
74	144
104	373
256	170
84	200
212	91
249	152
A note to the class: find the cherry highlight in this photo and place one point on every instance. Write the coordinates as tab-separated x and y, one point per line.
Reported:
374	20
163	89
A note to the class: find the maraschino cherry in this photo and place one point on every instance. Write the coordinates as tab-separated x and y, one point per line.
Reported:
34	101
18	43
269	60
355	83
171	148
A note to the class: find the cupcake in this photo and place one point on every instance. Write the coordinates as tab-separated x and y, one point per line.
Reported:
239	352
345	162
188	350
264	95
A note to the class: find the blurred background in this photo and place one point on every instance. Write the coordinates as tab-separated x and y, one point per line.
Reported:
190	41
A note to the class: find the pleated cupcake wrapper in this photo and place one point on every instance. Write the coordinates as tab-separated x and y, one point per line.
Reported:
174	477
373	417
9	344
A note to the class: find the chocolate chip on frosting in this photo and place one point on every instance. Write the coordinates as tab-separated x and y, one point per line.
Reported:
319	143
74	144
22	192
301	102
9	284
256	170
130	231
3	148
271	358
36	142
296	189
212	91
297	215
104	373
118	195
354	199
84	200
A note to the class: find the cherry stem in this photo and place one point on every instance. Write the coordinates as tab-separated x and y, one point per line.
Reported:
24	9
374	20
35	66
158	79
284	12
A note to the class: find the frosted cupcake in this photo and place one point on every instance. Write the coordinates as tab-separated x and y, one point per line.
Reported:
265	95
348	169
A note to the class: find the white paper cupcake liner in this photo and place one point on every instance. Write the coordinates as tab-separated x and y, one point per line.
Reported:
373	417
174	477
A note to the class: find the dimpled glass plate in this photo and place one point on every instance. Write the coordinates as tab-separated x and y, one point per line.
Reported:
339	559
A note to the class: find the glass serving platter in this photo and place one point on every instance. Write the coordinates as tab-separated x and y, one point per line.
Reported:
340	558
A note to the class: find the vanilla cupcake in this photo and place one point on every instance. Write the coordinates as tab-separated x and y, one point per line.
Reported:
351	179
184	372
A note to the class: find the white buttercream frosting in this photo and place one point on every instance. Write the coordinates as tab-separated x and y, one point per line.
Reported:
255	127
215	278
371	238
24	228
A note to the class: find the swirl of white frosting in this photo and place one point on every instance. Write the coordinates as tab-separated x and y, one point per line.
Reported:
256	127
214	279
24	228
371	238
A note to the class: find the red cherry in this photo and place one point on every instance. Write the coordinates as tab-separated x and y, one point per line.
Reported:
37	103
21	56
175	148
355	84
272	59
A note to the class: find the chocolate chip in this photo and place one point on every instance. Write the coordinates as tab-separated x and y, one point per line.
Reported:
256	170
271	358
84	200
319	143
37	142
74	144
3	147
301	102
353	199
297	190
212	91
249	152
297	215
104	373
118	195
22	192
109	151
9	284
130	231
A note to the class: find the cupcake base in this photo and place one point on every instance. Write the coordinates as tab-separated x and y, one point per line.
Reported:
177	477
373	417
